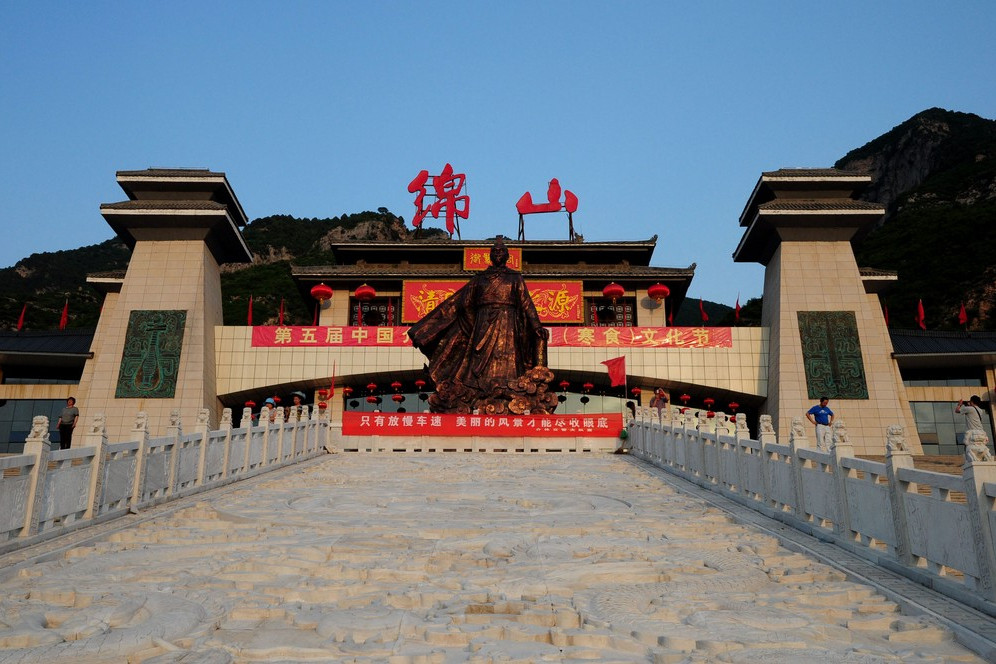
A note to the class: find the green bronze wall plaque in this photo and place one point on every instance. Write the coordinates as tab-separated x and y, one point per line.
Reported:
151	358
831	355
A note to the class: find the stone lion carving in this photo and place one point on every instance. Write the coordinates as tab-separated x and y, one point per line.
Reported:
98	425
977	446
764	424
797	434
246	414
741	422
838	434
142	421
304	413
895	439
39	427
226	414
174	417
203	415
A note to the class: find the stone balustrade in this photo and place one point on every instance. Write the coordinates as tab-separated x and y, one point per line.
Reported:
935	528
46	492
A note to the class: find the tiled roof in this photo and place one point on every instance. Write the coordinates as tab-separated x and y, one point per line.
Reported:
813	173
47	342
170	172
110	274
920	342
568	270
163	205
819	204
875	272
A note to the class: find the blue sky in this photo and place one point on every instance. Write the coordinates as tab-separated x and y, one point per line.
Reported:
660	116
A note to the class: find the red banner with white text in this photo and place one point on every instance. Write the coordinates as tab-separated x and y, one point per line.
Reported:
597	425
333	336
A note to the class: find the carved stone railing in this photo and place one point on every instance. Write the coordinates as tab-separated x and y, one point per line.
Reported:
45	492
935	528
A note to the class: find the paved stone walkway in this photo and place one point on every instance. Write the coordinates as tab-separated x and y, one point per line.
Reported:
445	558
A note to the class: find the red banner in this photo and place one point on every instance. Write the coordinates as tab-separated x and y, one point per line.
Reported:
479	258
576	337
598	425
556	301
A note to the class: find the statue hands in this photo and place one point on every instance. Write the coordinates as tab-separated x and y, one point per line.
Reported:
543	333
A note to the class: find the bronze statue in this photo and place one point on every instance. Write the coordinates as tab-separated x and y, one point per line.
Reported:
486	345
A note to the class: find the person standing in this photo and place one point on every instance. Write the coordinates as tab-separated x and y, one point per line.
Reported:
659	401
67	422
822	417
972	412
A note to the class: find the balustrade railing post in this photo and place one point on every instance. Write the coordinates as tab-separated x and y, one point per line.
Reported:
96	437
897	455
38	445
740	433
174	431
140	434
280	435
201	428
797	441
226	426
766	436
979	469
246	424
842	448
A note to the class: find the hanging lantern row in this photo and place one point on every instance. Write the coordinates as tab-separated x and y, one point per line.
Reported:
371	399
396	385
419	384
709	401
658	291
321	292
250	404
564	385
587	387
322	405
398	398
636	391
347	390
365	293
685	399
372	386
613	291
733	405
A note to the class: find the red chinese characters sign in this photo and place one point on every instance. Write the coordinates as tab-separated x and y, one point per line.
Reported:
600	425
479	258
446	191
576	337
556	301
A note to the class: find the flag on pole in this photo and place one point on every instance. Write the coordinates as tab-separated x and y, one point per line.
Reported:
20	320
249	314
670	317
617	370
317	306
962	315
280	319
885	312
64	319
736	310
920	318
705	316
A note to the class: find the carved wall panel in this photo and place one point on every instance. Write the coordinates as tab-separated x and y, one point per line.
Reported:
831	354
150	361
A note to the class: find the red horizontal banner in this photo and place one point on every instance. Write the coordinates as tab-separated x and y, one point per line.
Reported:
479	258
576	337
556	301
600	425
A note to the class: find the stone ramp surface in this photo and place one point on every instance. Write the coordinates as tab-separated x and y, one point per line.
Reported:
447	558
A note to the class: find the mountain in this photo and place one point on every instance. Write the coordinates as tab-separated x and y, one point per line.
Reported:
936	175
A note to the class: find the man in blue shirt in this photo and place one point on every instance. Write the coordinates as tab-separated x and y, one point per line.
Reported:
822	417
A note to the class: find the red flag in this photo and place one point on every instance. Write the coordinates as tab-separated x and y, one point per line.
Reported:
885	311
705	316
617	370
281	317
390	311
962	315
317	305
64	319
20	320
249	315
736	310
670	317
920	318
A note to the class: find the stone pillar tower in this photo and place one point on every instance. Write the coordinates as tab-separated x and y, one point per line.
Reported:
154	348
827	333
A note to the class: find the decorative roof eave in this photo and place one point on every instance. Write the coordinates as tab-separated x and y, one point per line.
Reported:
107	282
846	184
877	281
179	220
180	181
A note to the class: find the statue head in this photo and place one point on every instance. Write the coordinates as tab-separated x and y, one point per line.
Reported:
499	252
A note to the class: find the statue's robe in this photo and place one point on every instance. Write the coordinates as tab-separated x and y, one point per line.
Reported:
484	334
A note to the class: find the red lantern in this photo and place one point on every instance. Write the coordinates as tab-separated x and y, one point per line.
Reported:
733	406
587	387
365	293
347	390
685	399
276	399
398	398
564	385
658	291
710	414
321	292
371	399
613	291
636	391
322	394
419	384
250	404
372	386
322	405
708	401
396	385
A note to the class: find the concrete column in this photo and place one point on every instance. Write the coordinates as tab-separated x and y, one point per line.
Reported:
38	445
